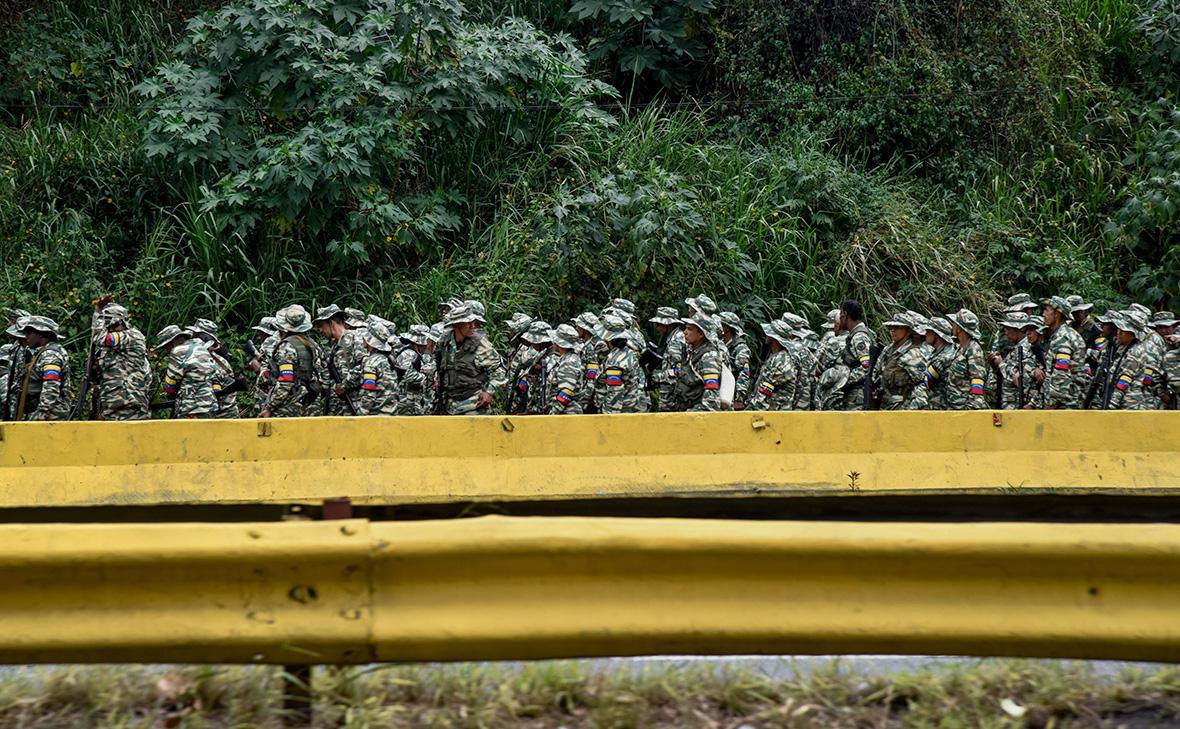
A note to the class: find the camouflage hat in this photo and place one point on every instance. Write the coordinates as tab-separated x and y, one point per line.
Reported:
919	324
518	324
204	326
168	334
418	334
42	324
1164	319
14	314
1132	320
15	330
377	336
1020	302
324	313
118	313
833	317
567	337
778	330
1077	303
267	325
614	327
702	303
1060	304
834	378
708	325
354	317
733	321
293	319
899	320
539	332
795	321
1110	317
478	309
624	305
966	319
436	332
941	327
450	303
665	315
1017	319
460	315
590	322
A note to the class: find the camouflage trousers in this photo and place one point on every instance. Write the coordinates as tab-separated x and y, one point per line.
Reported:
125	411
466	406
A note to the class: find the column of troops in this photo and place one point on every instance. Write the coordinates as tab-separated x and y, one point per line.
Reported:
1048	355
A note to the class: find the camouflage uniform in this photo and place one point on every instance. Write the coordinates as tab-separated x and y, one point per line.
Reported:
565	373
901	373
223	377
805	364
409	364
124	384
857	358
739	356
379	393
430	368
1018	366
965	375
1172	373
468	368
594	354
266	350
297	367
1131	381
43	389
672	354
188	381
777	381
938	363
1065	381
620	385
698	387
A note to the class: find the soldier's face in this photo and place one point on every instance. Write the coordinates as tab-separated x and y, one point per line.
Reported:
1013	335
1049	315
1166	331
693	335
899	334
1125	338
36	339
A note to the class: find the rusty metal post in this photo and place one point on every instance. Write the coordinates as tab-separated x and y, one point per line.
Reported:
297	697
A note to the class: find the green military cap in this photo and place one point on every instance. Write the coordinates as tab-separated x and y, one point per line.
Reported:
436	332
460	315
941	327
966	319
795	321
702	303
539	332
614	327
14	314
834	378
899	320
624	305
324	313
1164	319
477	309
377	336
42	324
518	324
1021	302
1108	318
666	315
293	319
1077	303
778	330
590	322
733	321
708	325
418	334
204	326
14	331
1141	309
918	322
833	317
1131	321
116	313
169	334
1060	304
1017	319
354	318
567	337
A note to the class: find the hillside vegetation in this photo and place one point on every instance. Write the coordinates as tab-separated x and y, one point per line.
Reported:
224	157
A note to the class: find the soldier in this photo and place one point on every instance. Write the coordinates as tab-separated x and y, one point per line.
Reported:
379	394
409	365
1016	369
830	344
124	375
430	367
1164	323
525	369
700	304
626	310
1065	382
260	362
805	362
667	322
594	354
1130	377
698	387
621	383
517	347
344	358
940	338
225	383
15	356
1038	341
739	355
776	384
296	368
188	380
964	377
469	369
856	355
534	381
43	386
1079	313
1099	360
565	373
901	382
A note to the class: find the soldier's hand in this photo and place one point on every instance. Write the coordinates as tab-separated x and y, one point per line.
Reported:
484	400
254	366
996	359
103	301
1039	374
265	413
339	390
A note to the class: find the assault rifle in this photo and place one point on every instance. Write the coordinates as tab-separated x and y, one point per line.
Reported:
999	386
6	406
1020	374
440	395
874	353
1101	377
87	384
238	385
334	373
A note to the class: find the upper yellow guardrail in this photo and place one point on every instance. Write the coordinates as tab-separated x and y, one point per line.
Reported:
433	459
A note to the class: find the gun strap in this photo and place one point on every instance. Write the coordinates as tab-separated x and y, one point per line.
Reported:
24	390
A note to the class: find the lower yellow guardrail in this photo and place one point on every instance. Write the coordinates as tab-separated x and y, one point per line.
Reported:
437	460
517	588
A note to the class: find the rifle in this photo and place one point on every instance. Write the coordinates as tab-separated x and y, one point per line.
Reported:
874	353
239	384
999	386
85	387
1107	392
6	406
334	373
1020	370
440	395
1101	377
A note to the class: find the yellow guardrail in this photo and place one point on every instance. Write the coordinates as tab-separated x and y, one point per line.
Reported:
432	459
515	588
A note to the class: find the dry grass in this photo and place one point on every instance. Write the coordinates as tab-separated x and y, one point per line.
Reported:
548	695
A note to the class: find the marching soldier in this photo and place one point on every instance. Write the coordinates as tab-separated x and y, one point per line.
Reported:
124	375
902	369
856	355
409	364
698	387
1080	320
1065	380
378	393
620	385
15	356
965	375
188	380
805	362
594	354
668	325
1131	377
565	374
1016	369
469	369
225	383
345	329
777	381
739	355
940	338
296	368
44	382
1164	323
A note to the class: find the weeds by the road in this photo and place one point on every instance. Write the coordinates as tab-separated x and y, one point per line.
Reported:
990	693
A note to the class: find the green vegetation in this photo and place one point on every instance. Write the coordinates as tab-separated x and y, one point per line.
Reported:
224	157
548	695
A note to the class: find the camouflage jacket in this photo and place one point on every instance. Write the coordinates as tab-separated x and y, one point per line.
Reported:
1065	380
378	393
739	362
189	380
343	363
775	386
964	379
1130	379
620	384
938	364
805	382
564	383
698	387
901	373
223	377
297	370
44	385
124	385
415	384
665	375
